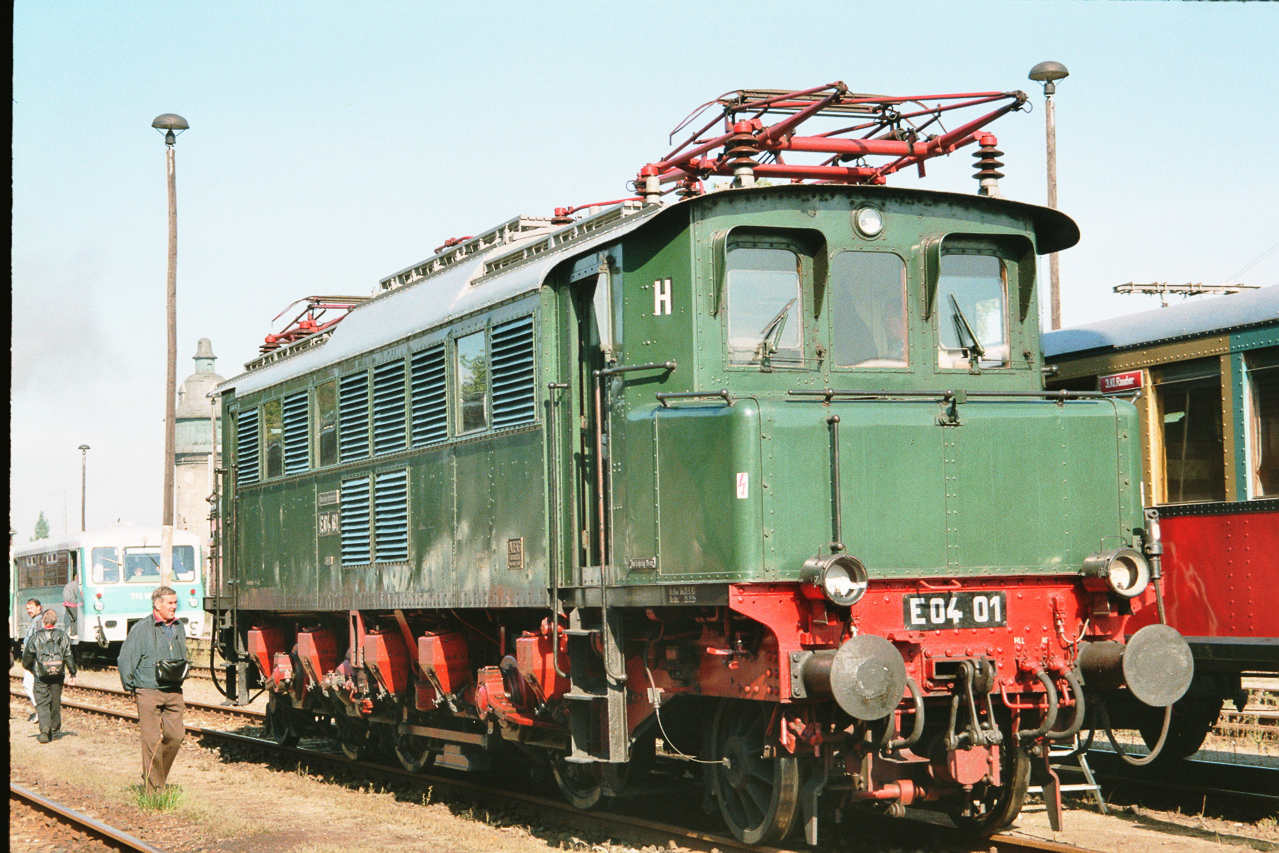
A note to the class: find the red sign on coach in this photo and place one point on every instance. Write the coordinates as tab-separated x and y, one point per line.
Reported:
1117	383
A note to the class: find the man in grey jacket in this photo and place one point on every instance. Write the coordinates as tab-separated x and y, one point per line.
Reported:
152	665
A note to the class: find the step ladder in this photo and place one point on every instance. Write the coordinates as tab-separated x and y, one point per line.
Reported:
596	697
1063	754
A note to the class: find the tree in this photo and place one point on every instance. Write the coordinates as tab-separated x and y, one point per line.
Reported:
42	528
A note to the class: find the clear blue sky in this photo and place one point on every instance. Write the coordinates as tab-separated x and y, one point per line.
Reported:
333	143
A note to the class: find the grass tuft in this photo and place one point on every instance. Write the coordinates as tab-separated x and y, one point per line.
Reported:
161	801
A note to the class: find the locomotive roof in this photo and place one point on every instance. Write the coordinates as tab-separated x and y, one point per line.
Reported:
1210	316
482	273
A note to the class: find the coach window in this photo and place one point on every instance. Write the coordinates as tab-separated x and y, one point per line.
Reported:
326	422
472	382
1263	413
972	311
106	565
1188	399
764	296
868	310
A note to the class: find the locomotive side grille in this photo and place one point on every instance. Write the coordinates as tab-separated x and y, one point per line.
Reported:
355	521
388	407
391	516
514	400
430	409
353	416
246	447
297	428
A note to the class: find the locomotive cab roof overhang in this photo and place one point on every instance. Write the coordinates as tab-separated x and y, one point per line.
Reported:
517	258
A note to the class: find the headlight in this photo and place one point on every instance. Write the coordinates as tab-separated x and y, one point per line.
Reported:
868	221
838	578
1122	571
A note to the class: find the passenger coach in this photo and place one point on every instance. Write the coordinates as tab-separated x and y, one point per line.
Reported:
764	478
1205	379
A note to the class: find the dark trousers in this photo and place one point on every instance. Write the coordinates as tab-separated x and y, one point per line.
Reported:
160	721
48	705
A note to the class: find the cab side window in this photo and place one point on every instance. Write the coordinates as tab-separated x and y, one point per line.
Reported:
972	312
765	317
868	310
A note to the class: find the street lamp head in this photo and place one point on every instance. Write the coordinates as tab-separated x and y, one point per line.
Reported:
84	448
1049	73
169	122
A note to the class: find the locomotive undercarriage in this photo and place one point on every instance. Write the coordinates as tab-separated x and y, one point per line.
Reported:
794	708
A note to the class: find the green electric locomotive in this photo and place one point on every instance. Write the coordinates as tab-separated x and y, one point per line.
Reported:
763	476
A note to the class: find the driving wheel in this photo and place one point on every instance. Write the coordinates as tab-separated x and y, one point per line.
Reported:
756	783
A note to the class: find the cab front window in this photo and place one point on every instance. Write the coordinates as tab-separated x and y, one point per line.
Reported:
972	312
763	298
868	304
106	565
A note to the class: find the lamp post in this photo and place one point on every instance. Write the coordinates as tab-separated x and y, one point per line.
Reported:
169	122
84	450
1049	73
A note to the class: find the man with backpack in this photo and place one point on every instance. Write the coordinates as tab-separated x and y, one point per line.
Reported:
47	656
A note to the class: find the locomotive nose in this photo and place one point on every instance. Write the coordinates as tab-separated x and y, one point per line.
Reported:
1155	665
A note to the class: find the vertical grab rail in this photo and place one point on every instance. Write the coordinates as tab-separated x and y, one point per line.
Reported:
556	565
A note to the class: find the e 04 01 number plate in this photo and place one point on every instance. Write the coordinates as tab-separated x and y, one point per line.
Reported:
942	610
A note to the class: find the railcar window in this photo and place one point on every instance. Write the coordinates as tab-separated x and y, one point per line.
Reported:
472	382
429	391
246	447
389	416
353	416
297	433
1263	391
326	422
972	311
106	565
868	310
273	426
765	316
1193	449
142	564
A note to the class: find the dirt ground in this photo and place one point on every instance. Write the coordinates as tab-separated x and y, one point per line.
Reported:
234	806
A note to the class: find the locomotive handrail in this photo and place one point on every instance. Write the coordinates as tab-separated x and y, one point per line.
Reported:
694	395
631	368
828	394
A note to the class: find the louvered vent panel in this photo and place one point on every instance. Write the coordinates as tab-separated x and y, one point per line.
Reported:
353	417
246	447
430	405
355	521
514	382
391	517
388	407
297	433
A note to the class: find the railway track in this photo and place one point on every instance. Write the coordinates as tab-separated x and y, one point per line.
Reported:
636	830
76	822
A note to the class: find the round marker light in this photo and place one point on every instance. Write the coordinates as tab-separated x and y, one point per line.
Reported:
838	578
868	221
1124	571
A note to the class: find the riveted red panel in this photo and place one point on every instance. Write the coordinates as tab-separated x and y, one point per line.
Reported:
386	656
533	654
446	655
318	651
265	643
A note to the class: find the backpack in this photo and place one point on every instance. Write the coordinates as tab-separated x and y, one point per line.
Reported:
49	663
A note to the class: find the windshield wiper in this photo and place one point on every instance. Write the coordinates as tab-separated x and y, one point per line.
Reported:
773	329
963	330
